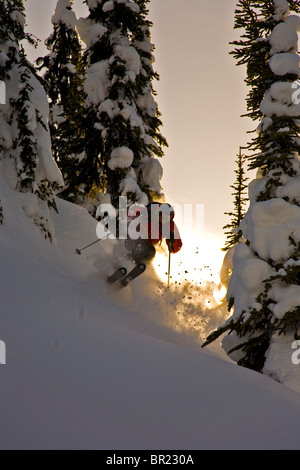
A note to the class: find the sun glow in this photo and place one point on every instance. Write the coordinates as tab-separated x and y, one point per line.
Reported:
220	294
194	304
198	262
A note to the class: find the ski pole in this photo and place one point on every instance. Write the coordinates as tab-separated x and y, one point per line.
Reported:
169	269
91	244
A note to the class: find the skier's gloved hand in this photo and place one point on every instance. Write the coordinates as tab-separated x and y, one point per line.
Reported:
174	245
170	246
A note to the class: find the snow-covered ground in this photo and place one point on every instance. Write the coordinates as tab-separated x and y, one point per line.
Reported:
91	367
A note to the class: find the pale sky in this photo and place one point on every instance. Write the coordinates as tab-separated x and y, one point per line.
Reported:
201	95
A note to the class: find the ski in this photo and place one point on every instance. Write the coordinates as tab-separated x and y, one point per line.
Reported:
137	271
117	275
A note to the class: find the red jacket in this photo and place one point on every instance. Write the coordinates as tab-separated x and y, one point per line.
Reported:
157	232
154	230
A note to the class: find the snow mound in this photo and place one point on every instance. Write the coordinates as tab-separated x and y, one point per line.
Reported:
63	14
93	368
121	157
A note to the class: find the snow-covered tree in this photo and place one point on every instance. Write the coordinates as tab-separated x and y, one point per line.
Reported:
64	85
122	118
232	230
25	144
264	289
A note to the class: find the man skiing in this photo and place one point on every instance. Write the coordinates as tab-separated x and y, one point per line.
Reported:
147	227
156	222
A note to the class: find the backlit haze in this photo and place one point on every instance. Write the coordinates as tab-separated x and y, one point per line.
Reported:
201	96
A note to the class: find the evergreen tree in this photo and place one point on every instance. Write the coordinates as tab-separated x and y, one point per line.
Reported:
24	132
64	84
233	230
122	118
264	289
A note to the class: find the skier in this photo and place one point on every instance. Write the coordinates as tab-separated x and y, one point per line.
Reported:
154	223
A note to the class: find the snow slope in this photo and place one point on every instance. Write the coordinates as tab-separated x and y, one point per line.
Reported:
91	368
